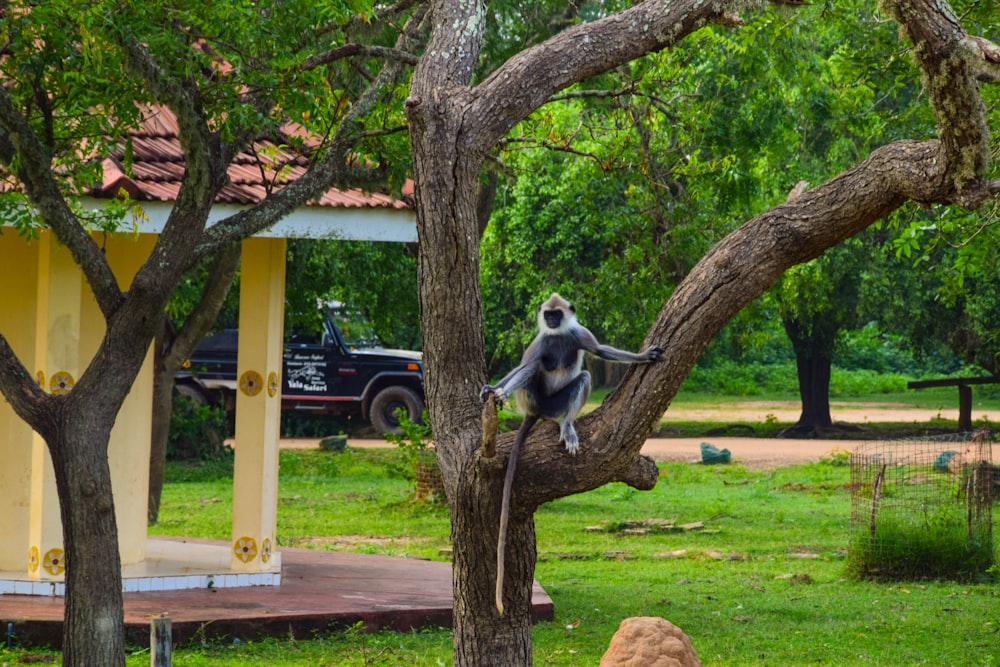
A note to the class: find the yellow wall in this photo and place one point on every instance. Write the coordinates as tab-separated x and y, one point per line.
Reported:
58	365
52	322
19	280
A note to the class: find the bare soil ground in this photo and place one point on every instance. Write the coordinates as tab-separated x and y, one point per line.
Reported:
788	411
756	452
773	452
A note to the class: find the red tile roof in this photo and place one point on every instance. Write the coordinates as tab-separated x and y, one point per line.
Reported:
158	167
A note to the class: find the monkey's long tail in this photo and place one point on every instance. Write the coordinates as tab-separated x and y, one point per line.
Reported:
508	483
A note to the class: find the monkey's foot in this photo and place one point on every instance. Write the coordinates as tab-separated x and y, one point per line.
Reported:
571	439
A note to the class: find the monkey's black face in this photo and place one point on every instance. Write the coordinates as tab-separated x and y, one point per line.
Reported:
553	318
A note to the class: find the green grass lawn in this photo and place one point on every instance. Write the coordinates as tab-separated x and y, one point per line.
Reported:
763	582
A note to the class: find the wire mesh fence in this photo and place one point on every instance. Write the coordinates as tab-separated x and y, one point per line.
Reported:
922	508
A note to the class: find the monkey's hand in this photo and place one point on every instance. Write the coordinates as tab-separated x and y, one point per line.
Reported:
653	353
498	392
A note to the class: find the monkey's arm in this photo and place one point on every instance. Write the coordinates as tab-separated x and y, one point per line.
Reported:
518	378
590	343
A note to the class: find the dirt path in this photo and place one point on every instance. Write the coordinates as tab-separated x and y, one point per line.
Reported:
755	452
788	411
751	452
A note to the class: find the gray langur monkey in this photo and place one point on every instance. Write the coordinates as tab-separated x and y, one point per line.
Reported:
550	383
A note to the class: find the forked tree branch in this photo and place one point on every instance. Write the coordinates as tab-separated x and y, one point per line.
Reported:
752	258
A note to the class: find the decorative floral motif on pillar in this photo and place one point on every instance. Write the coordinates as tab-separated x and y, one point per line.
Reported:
61	383
245	549
251	383
55	561
265	550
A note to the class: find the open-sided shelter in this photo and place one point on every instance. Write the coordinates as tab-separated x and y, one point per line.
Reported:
53	323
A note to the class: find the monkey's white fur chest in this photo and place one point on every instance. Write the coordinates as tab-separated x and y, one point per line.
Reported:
563	373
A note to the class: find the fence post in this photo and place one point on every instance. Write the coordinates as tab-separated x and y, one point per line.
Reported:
159	641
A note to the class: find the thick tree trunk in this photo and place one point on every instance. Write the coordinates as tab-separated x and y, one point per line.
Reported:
171	348
814	389
93	604
451	322
454	125
813	347
482	636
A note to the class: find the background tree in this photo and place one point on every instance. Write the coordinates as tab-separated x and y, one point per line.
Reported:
456	121
622	183
378	282
85	73
816	302
935	281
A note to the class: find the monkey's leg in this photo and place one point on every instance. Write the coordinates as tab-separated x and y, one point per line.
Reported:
564	406
508	482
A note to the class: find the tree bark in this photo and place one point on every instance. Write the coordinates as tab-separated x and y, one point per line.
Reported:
163	404
813	347
93	567
813	372
171	348
453	125
482	635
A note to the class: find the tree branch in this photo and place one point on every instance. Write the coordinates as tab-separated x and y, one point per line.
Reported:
205	312
578	94
733	273
548	145
351	50
200	145
34	170
585	50
984	56
941	48
642	475
330	170
29	401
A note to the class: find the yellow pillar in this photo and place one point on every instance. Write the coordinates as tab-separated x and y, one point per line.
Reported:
19	272
258	405
57	355
128	448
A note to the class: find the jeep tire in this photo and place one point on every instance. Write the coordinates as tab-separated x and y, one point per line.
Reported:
383	408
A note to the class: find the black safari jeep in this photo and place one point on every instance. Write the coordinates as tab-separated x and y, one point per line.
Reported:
322	374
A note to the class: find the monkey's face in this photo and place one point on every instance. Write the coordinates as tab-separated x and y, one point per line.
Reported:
556	315
553	318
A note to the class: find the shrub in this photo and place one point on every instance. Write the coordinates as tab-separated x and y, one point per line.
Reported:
197	431
414	444
865	382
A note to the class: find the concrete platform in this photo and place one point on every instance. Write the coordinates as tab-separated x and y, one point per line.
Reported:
170	564
319	591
